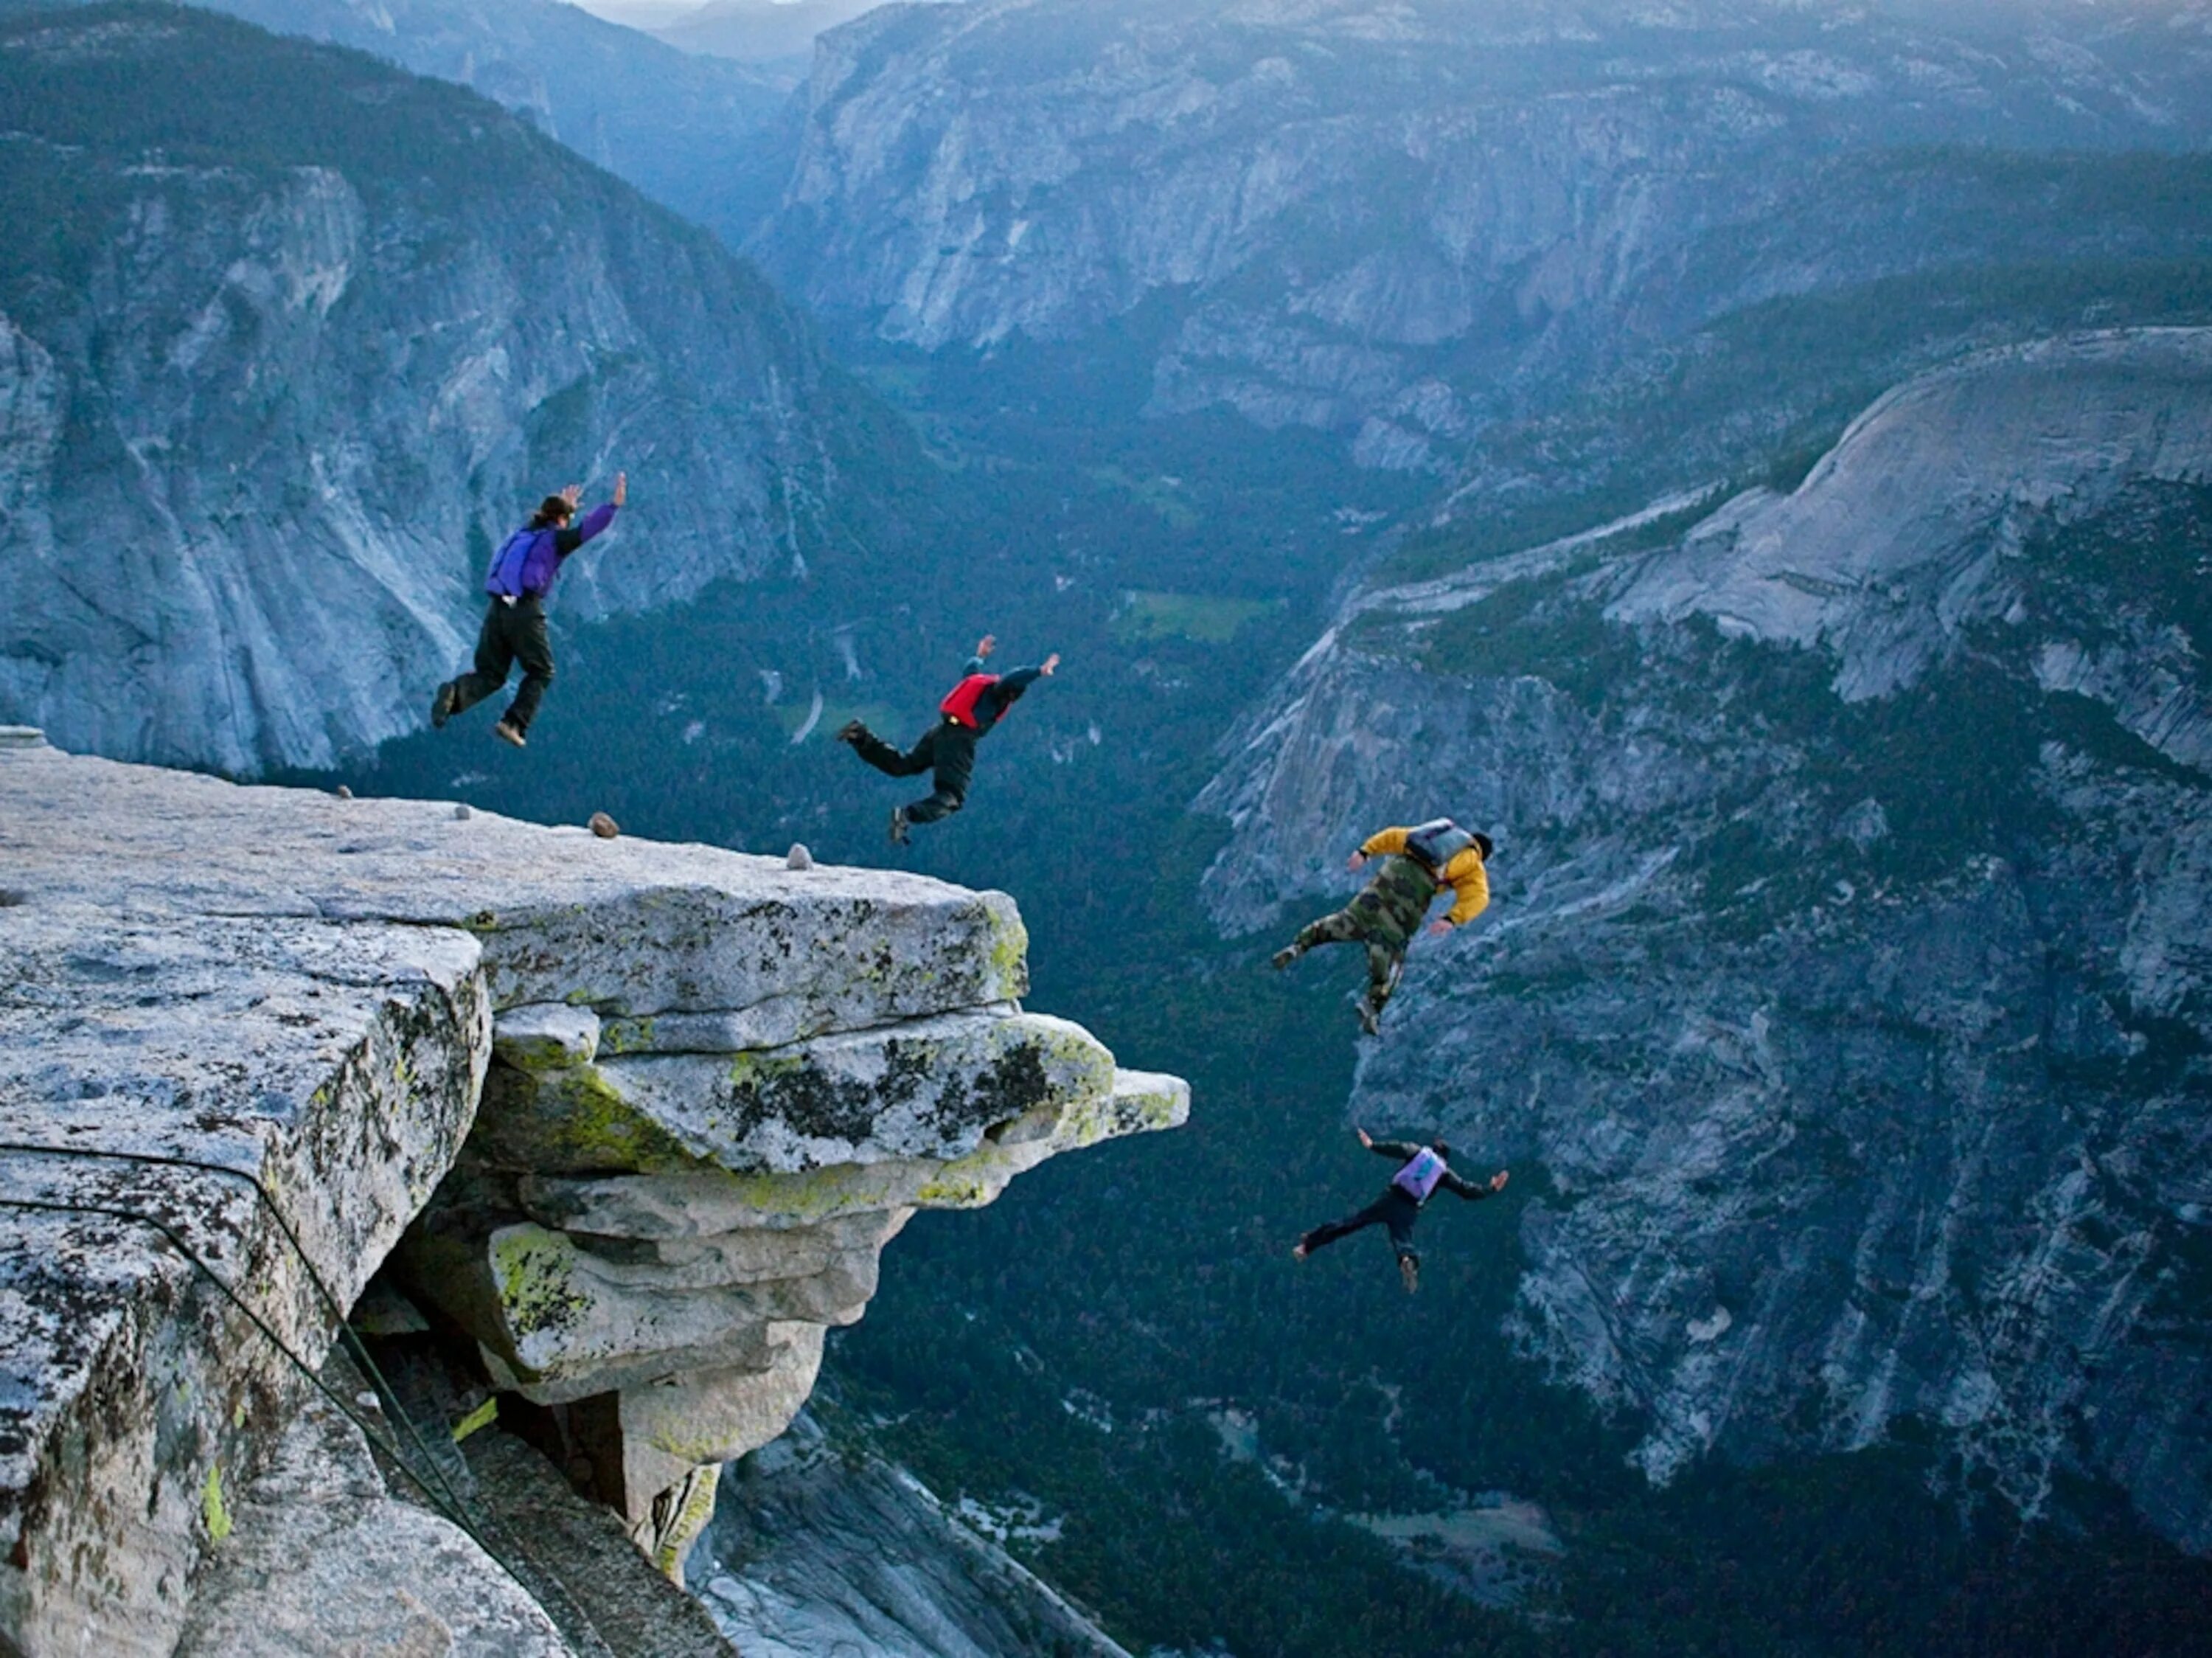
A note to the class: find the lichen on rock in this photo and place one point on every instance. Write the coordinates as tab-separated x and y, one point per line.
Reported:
646	1117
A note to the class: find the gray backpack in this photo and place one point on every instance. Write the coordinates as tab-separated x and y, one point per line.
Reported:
1437	844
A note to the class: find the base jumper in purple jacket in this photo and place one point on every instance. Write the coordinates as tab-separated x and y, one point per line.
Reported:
520	576
1422	1171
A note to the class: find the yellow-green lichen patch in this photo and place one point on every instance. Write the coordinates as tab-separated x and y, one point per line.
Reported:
482	1417
627	1036
574	1120
1009	954
214	1513
535	1270
688	1521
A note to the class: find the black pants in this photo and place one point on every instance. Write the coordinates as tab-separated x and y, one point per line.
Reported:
511	633
1393	1209
947	749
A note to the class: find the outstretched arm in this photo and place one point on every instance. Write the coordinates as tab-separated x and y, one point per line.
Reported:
1378	845
1403	1150
1471	1191
568	540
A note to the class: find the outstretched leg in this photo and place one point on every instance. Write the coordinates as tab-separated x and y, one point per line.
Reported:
534	649
954	751
892	762
1400	1221
493	659
1384	963
1376	1214
1341	927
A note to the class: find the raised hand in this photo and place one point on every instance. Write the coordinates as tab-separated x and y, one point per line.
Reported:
573	494
1050	663
1438	928
1356	861
621	488
1364	1139
986	645
1498	1181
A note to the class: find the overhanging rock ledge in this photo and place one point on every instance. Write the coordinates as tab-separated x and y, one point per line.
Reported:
636	1118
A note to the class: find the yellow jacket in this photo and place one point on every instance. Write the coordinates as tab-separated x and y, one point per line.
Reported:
1464	875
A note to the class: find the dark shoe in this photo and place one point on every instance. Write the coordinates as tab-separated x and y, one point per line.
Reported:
506	731
1409	1269
1371	1016
851	731
1284	957
441	706
898	827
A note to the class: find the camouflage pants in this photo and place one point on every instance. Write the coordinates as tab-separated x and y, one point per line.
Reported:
1362	921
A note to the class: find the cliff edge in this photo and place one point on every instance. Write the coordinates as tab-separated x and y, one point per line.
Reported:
634	1119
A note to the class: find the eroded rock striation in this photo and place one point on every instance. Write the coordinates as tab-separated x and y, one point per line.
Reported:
644	1114
1848	971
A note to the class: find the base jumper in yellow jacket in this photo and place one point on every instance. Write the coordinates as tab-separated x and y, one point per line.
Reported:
1417	864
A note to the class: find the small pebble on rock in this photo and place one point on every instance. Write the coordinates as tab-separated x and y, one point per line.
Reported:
344	793
462	814
605	827
799	857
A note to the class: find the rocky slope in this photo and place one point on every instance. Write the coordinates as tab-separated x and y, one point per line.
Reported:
1848	971
1403	222
301	339
645	1115
818	1547
686	129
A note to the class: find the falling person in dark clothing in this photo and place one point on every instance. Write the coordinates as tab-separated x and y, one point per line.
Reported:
1423	1170
947	749
520	576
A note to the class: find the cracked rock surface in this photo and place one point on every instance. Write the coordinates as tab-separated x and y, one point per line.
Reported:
699	1092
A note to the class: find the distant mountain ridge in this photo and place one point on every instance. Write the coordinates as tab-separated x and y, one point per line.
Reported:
684	129
299	336
1402	224
1848	971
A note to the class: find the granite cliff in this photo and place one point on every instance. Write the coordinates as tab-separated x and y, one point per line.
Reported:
1847	975
300	338
630	1122
686	129
1406	223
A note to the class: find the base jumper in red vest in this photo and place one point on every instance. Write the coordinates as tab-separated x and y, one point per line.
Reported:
947	749
1422	1170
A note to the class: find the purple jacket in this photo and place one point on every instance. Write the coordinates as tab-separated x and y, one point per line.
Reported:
524	568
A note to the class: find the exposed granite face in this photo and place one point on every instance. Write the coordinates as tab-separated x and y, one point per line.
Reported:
1849	970
818	1547
282	389
1401	222
322	1558
331	994
336	1064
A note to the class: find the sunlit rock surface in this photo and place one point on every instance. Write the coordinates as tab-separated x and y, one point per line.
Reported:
1850	965
329	994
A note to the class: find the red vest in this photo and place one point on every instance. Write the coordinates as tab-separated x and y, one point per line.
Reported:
959	702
